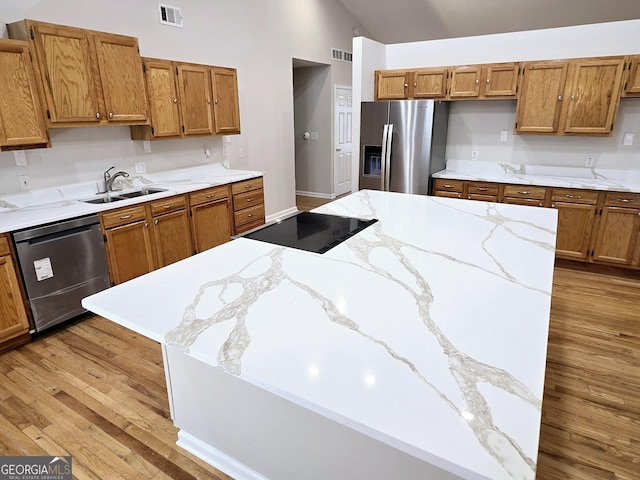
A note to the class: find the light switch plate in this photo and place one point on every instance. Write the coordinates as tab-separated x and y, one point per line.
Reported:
20	157
141	167
627	139
503	135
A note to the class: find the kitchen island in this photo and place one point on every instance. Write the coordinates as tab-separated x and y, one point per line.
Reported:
415	349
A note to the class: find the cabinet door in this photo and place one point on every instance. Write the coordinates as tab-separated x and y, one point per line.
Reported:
226	108
69	82
430	83
195	99
617	235
130	251
21	120
160	76
593	95
632	80
575	223
540	101
13	318
172	237
211	224
122	79
392	85
500	80
465	82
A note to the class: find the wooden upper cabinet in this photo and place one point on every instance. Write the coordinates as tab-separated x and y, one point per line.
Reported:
162	93
592	95
632	77
21	119
392	84
85	76
121	76
195	95
430	83
226	108
500	80
540	97
465	81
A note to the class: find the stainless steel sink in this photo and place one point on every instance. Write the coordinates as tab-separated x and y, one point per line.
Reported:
143	191
115	197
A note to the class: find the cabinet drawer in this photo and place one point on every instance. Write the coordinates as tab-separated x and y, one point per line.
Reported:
446	185
4	245
574	196
248	199
441	193
482	188
621	199
247	185
167	205
524	191
248	215
209	195
122	216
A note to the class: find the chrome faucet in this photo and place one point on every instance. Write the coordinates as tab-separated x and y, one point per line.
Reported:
108	179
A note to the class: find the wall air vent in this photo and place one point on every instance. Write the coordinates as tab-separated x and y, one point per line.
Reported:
170	15
341	55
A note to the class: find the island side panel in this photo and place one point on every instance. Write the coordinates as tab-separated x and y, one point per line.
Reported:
242	429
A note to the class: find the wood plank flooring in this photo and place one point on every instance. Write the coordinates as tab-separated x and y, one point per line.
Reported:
96	391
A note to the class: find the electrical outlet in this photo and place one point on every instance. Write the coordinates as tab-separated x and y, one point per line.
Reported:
25	183
474	155
627	140
20	158
589	161
503	135
141	167
241	152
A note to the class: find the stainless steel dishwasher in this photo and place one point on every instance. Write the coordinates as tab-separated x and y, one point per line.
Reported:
61	263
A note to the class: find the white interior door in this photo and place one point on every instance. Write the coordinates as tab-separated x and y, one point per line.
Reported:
343	139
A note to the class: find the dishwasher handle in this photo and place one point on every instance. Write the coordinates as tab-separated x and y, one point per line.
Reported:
53	237
64	226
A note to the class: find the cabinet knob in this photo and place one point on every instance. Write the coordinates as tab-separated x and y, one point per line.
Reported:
559	97
553	205
406	85
98	115
208	101
540	204
146	225
175	100
215	101
156	222
110	114
477	81
415	84
573	97
250	215
488	80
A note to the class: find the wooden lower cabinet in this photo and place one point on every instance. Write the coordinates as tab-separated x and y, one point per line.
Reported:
129	250
172	237
210	217
14	324
575	224
248	204
618	231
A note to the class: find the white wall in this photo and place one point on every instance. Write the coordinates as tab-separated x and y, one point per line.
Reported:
258	38
476	125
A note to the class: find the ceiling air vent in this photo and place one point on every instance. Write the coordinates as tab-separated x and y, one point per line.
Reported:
341	55
170	15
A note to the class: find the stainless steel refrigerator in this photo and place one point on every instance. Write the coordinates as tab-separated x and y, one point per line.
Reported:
402	142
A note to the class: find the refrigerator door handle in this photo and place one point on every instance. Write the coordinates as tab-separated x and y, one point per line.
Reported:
383	156
387	158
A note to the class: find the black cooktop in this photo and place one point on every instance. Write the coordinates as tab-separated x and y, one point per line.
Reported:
313	232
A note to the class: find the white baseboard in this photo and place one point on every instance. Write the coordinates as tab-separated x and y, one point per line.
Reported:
284	213
216	458
329	196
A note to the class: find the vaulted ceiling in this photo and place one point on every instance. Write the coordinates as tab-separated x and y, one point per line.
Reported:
397	21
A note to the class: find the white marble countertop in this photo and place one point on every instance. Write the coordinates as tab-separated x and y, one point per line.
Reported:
545	176
426	331
37	207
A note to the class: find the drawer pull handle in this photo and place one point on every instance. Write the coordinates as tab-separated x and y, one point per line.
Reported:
211	195
448	185
124	217
250	215
482	189
166	207
248	186
573	196
523	192
249	199
625	200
